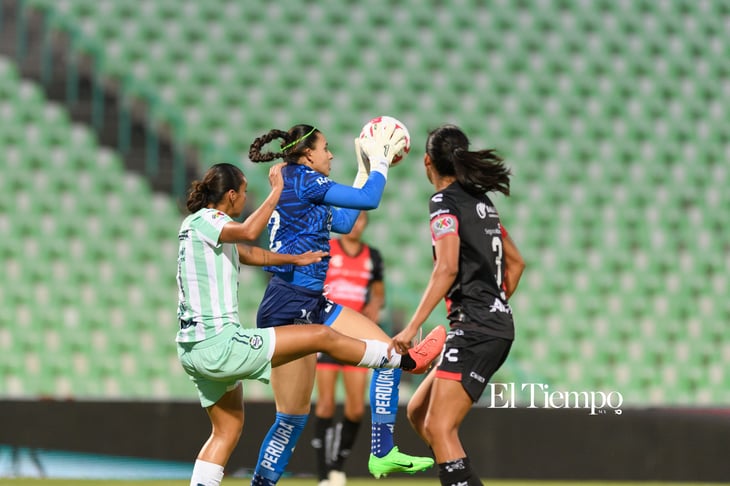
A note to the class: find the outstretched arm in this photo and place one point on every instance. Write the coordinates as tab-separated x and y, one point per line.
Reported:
347	202
445	270
255	256
367	197
367	191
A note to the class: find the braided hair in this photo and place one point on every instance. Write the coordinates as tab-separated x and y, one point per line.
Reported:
293	144
478	171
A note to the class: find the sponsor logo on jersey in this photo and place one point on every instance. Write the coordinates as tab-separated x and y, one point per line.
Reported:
350	293
440	211
499	306
444	225
437	197
481	210
322	180
218	214
484	210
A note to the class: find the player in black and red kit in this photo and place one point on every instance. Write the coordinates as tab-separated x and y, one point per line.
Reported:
476	268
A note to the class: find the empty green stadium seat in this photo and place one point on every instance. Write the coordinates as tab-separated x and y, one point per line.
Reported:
619	188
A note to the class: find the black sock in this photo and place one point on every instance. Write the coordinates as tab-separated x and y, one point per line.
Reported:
458	473
406	362
348	433
321	442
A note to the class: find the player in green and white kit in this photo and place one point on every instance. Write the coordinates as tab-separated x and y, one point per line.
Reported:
213	348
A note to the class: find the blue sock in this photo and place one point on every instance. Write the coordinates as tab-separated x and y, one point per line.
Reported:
383	409
277	448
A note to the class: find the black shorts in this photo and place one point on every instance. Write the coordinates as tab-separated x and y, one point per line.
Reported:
472	357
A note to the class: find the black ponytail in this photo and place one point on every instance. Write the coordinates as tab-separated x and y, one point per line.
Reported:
478	172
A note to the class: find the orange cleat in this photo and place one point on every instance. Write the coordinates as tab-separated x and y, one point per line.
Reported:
428	350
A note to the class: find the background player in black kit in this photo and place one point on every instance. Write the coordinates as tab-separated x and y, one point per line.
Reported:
476	268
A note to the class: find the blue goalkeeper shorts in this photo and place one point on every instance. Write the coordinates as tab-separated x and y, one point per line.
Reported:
285	303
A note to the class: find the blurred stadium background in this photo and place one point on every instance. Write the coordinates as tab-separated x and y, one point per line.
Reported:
612	115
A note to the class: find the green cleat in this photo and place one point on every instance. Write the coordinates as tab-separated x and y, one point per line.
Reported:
396	461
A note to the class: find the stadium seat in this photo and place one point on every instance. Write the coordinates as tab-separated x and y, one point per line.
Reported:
598	108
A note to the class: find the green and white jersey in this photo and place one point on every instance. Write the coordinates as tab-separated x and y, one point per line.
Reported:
207	277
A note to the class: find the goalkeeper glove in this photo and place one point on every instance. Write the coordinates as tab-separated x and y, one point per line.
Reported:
363	166
382	147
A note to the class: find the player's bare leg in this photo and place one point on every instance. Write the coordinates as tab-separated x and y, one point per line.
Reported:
418	406
226	418
449	404
385	457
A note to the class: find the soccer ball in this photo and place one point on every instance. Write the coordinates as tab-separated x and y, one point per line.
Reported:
369	128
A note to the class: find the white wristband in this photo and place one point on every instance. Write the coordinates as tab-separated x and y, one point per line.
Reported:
380	166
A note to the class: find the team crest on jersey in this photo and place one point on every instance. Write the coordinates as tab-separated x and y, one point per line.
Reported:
443	225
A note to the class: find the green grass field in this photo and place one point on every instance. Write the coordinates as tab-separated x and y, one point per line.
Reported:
350	482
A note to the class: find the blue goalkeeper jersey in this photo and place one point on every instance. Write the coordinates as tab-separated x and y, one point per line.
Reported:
302	220
310	206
